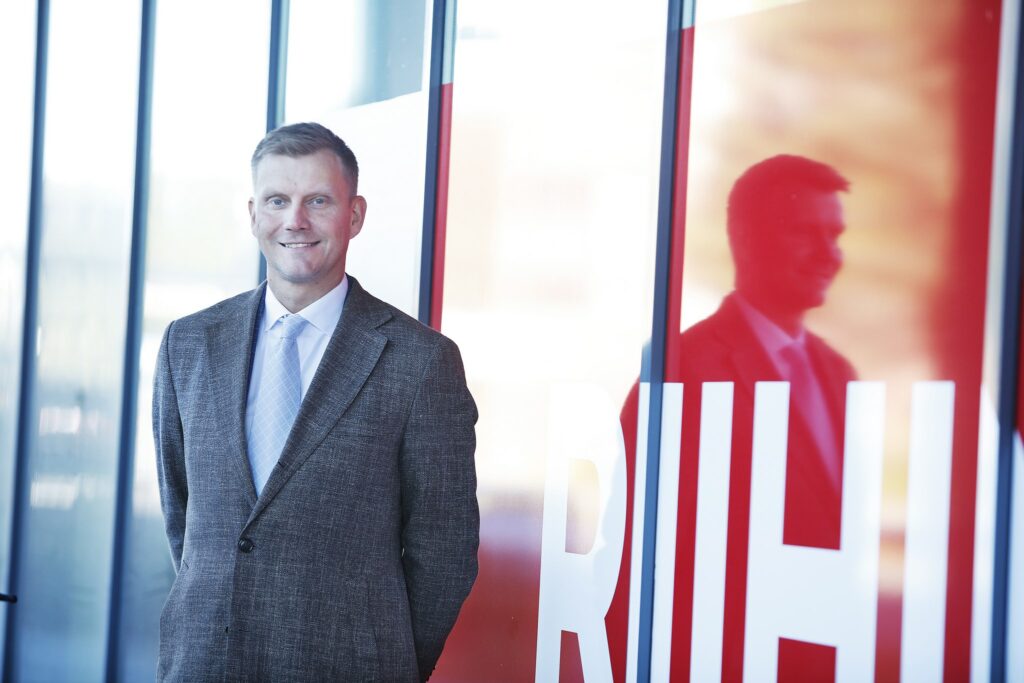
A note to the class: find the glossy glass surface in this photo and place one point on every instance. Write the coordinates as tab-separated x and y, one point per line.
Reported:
199	247
548	291
882	281
17	53
879	537
360	68
1015	589
67	525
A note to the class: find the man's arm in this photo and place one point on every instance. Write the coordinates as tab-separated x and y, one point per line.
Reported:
170	451
441	520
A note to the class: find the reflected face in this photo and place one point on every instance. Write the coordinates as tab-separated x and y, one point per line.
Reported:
303	214
793	253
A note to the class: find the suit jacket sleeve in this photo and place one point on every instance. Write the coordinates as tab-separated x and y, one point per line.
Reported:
170	451
440	517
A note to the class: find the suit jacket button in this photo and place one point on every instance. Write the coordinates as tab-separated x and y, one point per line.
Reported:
246	545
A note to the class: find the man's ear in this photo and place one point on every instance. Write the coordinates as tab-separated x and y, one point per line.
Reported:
358	215
252	215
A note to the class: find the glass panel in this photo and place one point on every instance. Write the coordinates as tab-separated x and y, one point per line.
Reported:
1015	589
360	68
67	528
552	211
199	248
17	54
1007	122
849	545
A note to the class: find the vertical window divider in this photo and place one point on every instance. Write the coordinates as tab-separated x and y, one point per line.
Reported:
29	341
133	333
1009	374
681	15
435	191
276	80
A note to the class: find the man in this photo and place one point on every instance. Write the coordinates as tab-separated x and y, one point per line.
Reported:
784	220
315	455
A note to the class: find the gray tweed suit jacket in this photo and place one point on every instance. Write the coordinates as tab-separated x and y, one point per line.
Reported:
354	561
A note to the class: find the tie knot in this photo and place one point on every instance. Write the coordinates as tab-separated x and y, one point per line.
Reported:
792	349
290	326
794	354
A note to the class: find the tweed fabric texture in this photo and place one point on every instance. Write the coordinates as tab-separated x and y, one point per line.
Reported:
353	561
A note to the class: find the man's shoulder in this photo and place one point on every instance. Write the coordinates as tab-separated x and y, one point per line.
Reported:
189	332
227	310
398	326
710	349
824	354
715	335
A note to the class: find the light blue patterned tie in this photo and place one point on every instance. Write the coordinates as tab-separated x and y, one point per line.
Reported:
277	403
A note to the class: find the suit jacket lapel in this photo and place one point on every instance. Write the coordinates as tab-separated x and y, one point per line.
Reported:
750	360
350	357
753	365
230	356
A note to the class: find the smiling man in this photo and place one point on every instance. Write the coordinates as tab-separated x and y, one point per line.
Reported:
315	455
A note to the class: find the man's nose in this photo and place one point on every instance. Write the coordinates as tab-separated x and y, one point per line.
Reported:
298	218
826	247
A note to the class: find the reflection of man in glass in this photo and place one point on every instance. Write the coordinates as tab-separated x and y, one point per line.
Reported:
784	221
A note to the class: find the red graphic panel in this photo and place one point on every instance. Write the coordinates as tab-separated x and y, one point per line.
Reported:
801	662
823	359
831	225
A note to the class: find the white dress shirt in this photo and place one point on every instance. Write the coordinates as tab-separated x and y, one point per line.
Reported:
322	315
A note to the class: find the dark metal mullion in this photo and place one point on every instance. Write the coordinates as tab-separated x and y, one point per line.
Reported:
30	322
133	333
437	54
276	76
1008	384
659	324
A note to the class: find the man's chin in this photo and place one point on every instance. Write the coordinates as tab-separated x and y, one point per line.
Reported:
799	301
811	300
294	278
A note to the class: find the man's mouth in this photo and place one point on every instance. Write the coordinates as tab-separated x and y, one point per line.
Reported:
298	245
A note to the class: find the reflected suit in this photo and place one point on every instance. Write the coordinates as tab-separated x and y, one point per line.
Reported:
724	348
353	562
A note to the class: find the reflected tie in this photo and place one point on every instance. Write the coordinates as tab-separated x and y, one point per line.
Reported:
277	403
810	402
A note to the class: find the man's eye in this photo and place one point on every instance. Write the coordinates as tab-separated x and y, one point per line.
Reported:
318	201
276	202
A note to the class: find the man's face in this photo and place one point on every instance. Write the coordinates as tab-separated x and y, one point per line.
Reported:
793	252
303	214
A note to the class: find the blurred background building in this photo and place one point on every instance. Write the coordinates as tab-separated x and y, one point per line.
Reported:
547	183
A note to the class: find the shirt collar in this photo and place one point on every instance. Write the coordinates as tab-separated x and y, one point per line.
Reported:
772	337
323	314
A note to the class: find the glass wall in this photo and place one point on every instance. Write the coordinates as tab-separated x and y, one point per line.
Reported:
17	53
199	247
834	255
361	68
1015	596
727	427
64	558
548	291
